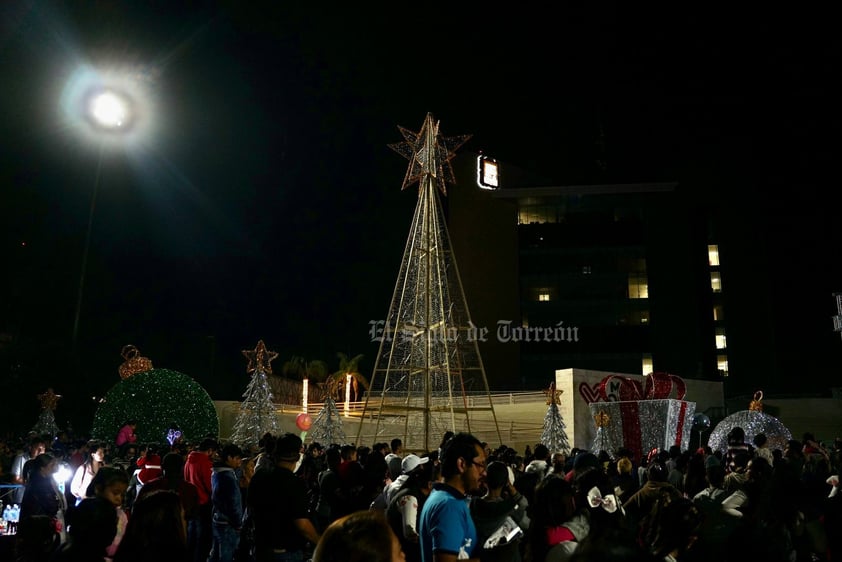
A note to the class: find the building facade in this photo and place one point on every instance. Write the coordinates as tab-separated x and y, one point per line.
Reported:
619	277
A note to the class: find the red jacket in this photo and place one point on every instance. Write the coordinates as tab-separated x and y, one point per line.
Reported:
197	470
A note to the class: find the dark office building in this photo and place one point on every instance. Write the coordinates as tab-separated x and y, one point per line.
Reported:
620	277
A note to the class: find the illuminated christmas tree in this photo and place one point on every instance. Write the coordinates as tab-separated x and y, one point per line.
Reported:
553	435
429	361
602	441
257	411
327	427
46	424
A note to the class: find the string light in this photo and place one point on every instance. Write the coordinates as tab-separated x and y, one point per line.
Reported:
157	399
260	358
133	363
752	421
429	154
553	395
49	400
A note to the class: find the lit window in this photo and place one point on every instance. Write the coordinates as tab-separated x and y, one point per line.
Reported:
720	338
713	255
537	214
722	365
638	286
718	313
715	282
646	364
544	297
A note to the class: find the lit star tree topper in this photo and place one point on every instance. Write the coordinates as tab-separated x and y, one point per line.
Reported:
49	400
553	395
260	358
429	154
257	411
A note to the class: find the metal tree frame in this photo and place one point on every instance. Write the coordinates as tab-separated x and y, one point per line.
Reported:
428	359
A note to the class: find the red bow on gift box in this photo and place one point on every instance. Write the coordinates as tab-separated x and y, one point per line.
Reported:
657	386
631	393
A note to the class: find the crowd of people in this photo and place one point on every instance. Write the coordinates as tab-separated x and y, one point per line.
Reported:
280	501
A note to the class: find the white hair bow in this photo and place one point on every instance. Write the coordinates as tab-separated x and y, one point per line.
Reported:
608	503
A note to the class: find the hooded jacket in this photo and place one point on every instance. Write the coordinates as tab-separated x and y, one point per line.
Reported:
197	470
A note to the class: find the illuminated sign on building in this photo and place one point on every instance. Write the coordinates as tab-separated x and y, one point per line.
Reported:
487	177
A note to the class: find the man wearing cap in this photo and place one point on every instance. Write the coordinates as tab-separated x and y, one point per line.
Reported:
406	501
278	504
393	461
397	477
447	532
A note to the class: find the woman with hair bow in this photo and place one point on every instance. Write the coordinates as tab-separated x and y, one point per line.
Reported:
609	503
598	501
563	515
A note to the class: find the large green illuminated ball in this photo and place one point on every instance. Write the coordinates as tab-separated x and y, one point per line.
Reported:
157	399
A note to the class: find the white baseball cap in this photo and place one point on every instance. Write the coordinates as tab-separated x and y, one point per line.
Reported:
411	462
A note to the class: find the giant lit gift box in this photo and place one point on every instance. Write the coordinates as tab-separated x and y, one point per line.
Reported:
646	416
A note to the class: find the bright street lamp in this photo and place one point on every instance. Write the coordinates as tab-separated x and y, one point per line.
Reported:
110	109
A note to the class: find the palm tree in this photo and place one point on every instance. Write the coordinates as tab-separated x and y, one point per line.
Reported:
348	366
316	370
298	368
294	368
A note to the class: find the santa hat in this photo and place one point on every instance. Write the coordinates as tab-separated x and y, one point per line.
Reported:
151	469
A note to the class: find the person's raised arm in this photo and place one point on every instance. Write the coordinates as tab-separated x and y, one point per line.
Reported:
305	527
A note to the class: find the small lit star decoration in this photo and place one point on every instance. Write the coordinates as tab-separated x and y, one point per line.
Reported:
429	154
133	363
260	358
756	405
553	395
49	400
602	419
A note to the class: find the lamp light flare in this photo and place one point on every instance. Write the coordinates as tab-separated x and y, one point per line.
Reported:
109	110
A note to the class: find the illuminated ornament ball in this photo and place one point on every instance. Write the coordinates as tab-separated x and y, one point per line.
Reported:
753	421
157	399
303	421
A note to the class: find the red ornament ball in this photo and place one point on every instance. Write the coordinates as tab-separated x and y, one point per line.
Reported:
303	421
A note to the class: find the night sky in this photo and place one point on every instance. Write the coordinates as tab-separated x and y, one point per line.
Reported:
266	205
